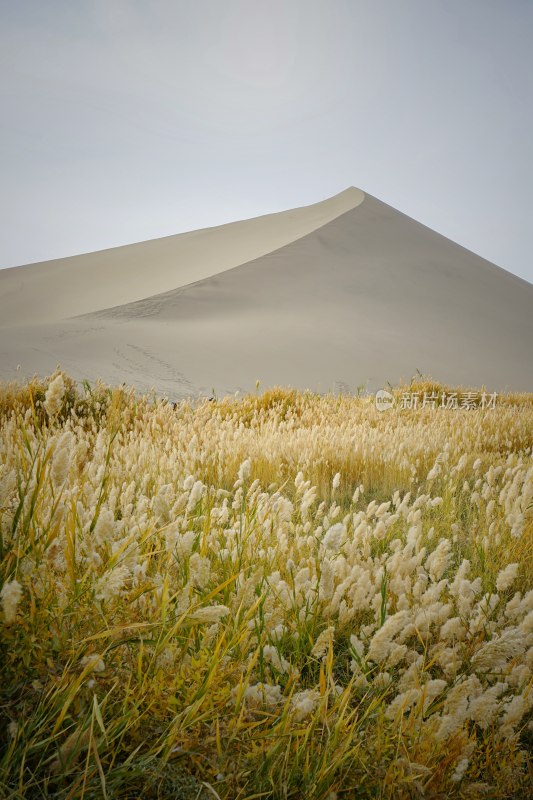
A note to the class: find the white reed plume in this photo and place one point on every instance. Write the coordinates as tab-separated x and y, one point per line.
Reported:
304	703
506	577
53	399
334	537
10	596
210	614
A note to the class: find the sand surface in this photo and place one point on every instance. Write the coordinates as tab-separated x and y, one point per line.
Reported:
344	293
66	287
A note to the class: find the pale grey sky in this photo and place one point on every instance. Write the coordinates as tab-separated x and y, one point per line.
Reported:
123	120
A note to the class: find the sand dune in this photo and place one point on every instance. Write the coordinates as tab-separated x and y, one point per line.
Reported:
343	293
66	287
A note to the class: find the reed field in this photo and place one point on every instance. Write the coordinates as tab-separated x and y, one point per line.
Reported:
279	595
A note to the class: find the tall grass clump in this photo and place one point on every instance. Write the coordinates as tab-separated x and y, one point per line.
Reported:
278	596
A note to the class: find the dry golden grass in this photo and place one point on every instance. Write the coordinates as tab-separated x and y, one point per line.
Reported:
282	595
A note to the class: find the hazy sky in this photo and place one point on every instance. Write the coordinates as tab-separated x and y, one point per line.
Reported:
124	120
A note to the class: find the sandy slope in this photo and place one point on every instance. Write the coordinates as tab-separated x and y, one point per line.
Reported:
66	287
366	296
